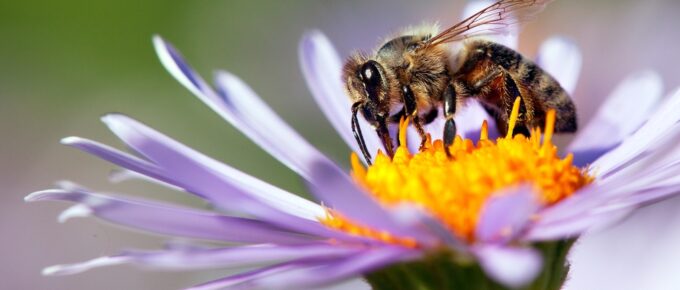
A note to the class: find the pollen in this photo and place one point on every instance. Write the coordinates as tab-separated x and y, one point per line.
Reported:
454	188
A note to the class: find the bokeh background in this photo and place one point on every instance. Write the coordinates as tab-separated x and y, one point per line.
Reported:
63	64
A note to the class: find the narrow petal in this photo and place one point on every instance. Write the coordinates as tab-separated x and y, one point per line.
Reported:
607	203
122	175
236	200
624	111
217	181
115	156
203	258
265	126
322	67
341	194
576	226
239	257
506	216
415	217
175	64
84	266
654	129
239	279
562	59
351	267
514	267
167	219
241	107
226	187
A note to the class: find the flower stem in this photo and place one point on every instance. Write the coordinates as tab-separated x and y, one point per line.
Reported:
446	271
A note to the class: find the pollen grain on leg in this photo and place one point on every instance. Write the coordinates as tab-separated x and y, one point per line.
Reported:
455	189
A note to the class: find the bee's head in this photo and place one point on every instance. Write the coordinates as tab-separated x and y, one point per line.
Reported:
367	87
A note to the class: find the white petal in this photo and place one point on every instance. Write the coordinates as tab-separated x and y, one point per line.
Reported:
84	266
514	267
562	59
656	128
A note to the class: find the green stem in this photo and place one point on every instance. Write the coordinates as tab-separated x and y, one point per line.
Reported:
442	271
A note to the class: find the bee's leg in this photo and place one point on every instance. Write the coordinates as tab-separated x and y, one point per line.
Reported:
411	110
449	112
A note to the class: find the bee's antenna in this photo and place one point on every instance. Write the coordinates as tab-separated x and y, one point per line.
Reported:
357	132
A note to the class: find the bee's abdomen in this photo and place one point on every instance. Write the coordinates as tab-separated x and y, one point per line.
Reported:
547	94
540	91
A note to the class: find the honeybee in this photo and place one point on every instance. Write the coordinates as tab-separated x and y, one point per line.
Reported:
415	74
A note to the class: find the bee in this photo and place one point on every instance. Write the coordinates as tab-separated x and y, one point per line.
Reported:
416	74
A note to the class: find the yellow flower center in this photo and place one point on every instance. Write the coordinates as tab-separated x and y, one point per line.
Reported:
454	189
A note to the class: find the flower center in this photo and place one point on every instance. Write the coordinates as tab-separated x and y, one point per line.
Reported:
454	189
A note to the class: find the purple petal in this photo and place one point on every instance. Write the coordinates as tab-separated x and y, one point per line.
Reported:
237	192
216	181
167	219
576	226
322	67
607	203
624	111
239	279
205	258
506	216
562	59
415	217
351	267
122	175
609	200
117	157
469	121
341	194
655	128
265	127
514	267
241	107
175	64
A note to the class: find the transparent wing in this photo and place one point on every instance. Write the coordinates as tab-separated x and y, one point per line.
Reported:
494	19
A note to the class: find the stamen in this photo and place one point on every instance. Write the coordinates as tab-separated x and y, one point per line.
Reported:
403	127
484	134
549	128
513	118
455	189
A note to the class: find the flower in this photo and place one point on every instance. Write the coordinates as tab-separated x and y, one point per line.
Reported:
371	224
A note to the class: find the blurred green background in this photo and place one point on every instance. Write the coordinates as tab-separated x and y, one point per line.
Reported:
63	64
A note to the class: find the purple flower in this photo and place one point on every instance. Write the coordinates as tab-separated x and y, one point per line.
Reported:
629	145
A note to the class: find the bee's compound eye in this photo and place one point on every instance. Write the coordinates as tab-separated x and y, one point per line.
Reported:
370	75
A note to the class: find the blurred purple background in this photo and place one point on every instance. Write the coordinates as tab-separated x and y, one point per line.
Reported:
62	65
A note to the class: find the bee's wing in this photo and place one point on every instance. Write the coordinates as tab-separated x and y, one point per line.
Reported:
494	19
